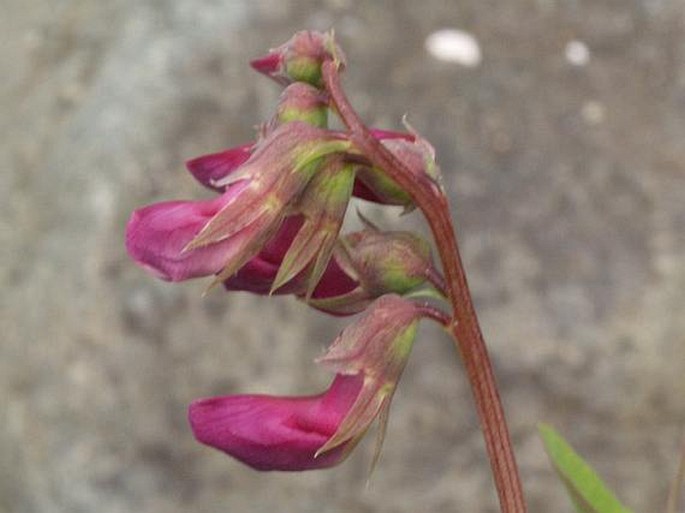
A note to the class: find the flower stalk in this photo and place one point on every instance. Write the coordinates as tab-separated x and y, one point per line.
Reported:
464	326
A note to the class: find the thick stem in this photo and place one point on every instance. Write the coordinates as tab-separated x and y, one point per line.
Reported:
464	326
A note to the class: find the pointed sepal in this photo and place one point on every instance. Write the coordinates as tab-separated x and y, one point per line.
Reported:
323	205
377	348
275	174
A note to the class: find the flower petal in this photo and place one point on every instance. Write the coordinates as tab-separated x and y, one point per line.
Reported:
269	65
156	235
211	168
257	275
276	433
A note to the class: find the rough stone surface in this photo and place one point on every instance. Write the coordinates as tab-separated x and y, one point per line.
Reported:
568	186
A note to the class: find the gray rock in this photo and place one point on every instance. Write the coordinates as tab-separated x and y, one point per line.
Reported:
567	183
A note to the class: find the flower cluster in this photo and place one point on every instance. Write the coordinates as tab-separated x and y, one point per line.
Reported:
274	227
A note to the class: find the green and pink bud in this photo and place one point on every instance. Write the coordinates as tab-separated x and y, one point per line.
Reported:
302	102
298	102
415	152
214	168
300	59
378	263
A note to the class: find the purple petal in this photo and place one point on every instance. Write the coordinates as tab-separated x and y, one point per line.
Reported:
257	276
277	247
209	169
157	234
269	65
334	282
362	191
276	433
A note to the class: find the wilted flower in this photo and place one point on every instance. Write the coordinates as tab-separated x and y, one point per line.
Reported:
212	169
364	266
301	433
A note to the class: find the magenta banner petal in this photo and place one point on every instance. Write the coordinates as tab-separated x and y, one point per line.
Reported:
276	433
269	65
157	234
210	169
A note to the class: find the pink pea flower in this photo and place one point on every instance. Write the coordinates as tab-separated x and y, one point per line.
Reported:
157	234
181	240
302	433
276	433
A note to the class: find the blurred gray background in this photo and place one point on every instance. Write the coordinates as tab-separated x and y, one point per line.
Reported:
562	149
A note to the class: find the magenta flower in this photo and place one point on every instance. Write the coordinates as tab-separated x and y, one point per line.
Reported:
276	433
211	169
181	240
258	274
302	433
157	234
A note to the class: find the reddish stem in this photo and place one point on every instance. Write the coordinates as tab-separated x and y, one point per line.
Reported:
464	326
430	312
436	279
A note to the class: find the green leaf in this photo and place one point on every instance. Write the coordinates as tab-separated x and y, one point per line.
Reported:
588	492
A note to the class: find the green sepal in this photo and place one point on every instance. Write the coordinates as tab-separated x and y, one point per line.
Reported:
316	117
323	205
304	68
377	348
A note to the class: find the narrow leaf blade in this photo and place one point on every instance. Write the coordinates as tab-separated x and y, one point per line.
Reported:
588	492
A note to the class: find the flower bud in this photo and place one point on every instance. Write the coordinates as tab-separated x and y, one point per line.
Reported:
378	263
300	59
388	261
415	152
418	155
302	102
